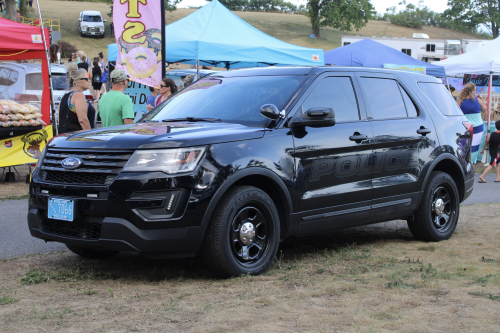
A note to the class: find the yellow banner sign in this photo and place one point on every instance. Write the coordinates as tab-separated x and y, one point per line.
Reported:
24	149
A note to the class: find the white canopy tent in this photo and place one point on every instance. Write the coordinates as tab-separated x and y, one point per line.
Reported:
483	60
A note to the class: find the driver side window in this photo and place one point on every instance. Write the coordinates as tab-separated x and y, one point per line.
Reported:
336	93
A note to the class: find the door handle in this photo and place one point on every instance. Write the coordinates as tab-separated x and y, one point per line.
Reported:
358	137
423	131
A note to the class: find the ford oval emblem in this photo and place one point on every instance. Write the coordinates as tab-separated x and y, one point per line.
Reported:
71	163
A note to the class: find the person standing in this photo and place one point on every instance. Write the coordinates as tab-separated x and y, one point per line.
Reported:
494	145
96	78
75	112
167	89
103	65
472	106
1	5
83	64
30	2
116	108
150	101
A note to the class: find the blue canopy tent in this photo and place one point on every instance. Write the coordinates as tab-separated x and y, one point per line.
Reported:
369	53
215	36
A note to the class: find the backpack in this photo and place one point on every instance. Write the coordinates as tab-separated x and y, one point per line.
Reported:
97	78
105	75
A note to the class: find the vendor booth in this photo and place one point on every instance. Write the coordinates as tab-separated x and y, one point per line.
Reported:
369	53
24	94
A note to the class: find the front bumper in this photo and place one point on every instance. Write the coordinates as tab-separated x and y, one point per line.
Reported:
117	234
93	33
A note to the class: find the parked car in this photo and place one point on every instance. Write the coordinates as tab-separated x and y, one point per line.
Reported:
241	160
22	82
91	23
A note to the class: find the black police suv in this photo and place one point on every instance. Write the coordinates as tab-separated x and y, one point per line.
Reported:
241	160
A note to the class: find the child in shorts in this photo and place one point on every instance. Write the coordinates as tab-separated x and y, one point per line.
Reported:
494	142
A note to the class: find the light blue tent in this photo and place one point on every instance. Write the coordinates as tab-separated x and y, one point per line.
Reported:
369	53
217	37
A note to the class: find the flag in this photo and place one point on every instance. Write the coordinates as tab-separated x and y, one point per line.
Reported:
137	25
24	149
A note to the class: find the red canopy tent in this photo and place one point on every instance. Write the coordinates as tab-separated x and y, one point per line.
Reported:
19	42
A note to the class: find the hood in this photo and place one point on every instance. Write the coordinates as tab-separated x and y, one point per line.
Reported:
157	135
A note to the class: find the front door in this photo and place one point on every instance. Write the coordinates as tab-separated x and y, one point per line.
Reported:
333	181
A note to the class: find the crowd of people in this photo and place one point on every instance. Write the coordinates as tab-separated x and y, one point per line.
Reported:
115	108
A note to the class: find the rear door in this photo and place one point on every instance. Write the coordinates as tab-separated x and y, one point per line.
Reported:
333	183
404	138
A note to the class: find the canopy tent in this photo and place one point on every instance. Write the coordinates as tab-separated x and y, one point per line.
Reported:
369	53
112	52
483	60
217	37
21	42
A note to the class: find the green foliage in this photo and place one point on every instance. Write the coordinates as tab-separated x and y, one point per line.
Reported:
7	300
259	5
472	13
15	197
35	276
344	15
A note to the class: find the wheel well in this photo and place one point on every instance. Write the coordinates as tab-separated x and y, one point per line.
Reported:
453	170
275	193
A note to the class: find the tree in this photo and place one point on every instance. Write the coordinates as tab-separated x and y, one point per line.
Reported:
11	10
339	14
472	13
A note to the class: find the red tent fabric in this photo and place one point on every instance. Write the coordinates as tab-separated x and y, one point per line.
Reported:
20	41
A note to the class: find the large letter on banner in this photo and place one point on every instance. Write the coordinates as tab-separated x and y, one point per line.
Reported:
25	148
138	36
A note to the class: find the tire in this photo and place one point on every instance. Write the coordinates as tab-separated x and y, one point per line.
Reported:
91	254
227	250
437	216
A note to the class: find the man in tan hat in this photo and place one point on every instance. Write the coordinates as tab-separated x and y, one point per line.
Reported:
116	108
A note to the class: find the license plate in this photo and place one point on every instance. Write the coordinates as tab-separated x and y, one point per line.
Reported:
61	209
92	33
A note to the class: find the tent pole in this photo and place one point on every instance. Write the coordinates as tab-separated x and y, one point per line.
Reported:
488	114
448	84
197	69
52	105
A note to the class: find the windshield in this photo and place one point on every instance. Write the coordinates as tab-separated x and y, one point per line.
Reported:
232	100
91	18
60	81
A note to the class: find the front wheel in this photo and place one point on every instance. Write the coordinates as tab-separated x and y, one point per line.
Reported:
91	254
437	216
243	235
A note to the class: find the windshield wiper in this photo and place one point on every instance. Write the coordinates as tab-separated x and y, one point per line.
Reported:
151	121
192	119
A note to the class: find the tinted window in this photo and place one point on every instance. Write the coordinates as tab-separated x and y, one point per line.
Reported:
383	98
8	76
60	82
236	100
410	106
91	18
441	98
34	82
336	93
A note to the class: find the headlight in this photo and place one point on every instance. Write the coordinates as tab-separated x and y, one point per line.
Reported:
166	160
101	29
84	28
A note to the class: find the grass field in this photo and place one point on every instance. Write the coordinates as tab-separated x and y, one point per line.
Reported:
290	28
369	279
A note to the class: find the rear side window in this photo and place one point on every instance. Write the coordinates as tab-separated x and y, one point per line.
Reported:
410	106
336	93
383	98
34	81
441	98
8	76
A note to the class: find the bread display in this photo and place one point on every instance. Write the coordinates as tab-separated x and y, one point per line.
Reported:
13	114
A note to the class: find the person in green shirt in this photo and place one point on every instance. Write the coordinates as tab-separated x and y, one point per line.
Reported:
116	108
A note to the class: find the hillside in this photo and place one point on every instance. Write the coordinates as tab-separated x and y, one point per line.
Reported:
290	28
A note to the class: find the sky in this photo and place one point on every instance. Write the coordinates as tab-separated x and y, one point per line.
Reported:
380	5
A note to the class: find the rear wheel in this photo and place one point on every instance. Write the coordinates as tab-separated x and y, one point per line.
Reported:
437	216
243	235
91	254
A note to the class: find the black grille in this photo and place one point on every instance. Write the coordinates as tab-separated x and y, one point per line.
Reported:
89	227
98	168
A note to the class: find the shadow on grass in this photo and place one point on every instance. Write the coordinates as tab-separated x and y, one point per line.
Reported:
131	266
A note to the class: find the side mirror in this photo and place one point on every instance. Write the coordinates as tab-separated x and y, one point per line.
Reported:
79	20
314	117
104	21
270	111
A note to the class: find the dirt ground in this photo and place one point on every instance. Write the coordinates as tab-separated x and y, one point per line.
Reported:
18	188
367	279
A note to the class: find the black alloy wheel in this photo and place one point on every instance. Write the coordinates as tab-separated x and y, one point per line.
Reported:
243	235
437	216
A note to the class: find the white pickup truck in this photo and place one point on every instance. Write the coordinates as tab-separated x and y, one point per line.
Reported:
91	23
